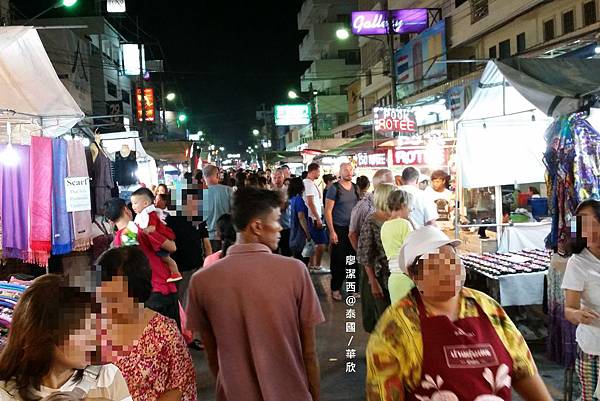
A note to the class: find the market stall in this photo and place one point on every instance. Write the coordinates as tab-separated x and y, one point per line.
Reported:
35	110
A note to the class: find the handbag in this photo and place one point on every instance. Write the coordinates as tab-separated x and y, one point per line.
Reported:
309	249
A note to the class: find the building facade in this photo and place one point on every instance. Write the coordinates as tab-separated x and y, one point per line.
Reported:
334	66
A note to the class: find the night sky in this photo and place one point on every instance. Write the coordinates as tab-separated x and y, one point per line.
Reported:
223	58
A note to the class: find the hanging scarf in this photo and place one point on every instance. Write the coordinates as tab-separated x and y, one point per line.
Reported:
40	200
587	160
61	223
15	198
82	221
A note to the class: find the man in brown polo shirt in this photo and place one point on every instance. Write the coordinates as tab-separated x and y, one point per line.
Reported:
260	308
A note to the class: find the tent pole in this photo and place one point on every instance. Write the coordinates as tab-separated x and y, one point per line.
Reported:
499	215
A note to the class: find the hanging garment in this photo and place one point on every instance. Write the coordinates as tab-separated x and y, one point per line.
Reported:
102	182
40	200
586	166
82	221
15	201
462	360
61	221
126	169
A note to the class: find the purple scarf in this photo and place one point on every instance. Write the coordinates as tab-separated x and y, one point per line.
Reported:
15	202
61	221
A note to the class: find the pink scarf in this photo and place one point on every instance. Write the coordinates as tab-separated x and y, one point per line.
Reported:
82	221
40	201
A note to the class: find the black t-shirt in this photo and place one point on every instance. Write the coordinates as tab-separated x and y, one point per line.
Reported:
189	242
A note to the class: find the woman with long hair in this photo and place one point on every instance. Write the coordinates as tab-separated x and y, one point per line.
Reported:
226	233
52	341
581	284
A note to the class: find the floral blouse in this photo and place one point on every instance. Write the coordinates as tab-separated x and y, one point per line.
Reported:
159	362
370	248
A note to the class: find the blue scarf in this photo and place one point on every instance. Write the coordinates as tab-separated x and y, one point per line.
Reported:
61	222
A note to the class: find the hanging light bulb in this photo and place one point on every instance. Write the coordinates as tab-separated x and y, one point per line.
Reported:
9	155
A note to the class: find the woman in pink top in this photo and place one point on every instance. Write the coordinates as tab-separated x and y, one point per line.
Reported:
225	233
146	346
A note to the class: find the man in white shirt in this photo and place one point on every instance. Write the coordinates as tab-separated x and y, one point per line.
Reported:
423	209
314	202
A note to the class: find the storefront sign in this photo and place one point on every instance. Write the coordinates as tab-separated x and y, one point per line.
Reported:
292	114
234	156
148	103
77	193
378	159
436	156
376	22
390	119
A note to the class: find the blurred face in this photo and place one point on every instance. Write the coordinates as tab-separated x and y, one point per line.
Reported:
438	184
114	299
286	173
346	172
278	179
162	190
315	174
160	203
76	350
267	229
441	276
590	227
139	203
404	212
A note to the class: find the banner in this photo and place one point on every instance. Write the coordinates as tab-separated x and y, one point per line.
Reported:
418	63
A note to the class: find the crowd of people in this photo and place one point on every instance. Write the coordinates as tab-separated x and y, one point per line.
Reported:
223	262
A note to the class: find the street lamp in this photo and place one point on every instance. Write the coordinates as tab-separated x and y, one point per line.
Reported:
293	95
171	96
182	118
342	34
59	4
255	132
222	149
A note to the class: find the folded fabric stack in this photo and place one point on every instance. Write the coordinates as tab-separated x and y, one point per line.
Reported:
501	264
9	296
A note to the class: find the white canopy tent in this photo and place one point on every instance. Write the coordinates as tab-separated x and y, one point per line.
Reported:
32	99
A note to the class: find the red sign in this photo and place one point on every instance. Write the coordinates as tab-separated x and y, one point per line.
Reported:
378	159
389	119
148	104
429	156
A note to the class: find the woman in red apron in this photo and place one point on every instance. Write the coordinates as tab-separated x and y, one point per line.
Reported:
444	342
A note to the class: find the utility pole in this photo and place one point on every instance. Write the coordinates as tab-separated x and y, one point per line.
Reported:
390	38
313	111
141	82
162	100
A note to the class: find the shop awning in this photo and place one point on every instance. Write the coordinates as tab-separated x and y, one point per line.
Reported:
169	151
32	97
500	135
362	144
556	86
283	157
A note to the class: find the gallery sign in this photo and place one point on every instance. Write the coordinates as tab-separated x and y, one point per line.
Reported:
412	20
377	159
77	194
392	119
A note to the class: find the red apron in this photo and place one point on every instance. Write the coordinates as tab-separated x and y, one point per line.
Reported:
463	360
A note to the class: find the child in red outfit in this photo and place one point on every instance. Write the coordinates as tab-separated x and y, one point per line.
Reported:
147	219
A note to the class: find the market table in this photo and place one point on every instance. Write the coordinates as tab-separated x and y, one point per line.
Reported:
524	236
513	279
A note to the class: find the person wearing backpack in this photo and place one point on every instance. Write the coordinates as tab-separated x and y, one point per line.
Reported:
340	200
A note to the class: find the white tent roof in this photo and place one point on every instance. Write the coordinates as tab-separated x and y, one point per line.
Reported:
500	135
32	97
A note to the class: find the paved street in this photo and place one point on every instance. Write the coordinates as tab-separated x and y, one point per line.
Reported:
336	385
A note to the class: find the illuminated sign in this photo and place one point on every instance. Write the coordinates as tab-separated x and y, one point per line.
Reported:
413	20
292	114
148	103
131	58
435	156
116	6
389	119
234	156
378	159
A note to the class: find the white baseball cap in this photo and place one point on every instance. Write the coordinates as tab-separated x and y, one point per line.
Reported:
424	241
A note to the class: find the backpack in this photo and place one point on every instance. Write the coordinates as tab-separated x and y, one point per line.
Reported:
338	189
